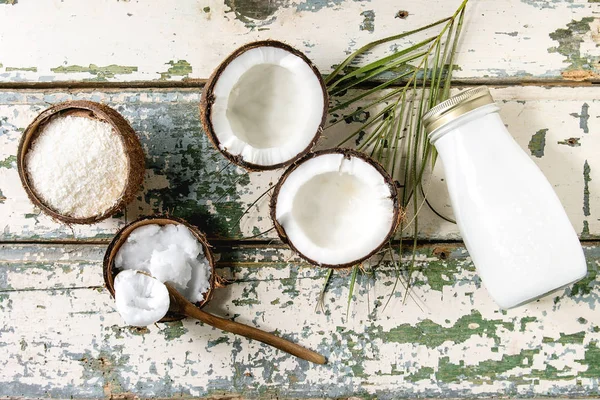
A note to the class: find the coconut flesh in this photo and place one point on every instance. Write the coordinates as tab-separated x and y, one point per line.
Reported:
268	106
140	299
169	253
335	210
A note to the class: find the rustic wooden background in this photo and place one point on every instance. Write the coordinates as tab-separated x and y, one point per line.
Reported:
59	333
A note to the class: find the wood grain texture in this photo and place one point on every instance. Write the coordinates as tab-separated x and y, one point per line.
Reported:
186	176
118	41
61	337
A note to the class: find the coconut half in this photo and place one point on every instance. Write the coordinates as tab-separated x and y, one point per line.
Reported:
141	300
96	111
264	106
197	284
335	207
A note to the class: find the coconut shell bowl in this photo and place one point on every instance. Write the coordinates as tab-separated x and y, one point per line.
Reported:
88	109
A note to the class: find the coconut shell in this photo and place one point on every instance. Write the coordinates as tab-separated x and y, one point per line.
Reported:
348	153
110	272
89	109
208	99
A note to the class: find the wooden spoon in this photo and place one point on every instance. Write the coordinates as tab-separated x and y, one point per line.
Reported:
181	305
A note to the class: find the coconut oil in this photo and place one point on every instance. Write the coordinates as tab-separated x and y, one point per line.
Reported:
511	220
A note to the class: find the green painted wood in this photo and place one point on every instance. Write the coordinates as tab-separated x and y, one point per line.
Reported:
61	337
187	177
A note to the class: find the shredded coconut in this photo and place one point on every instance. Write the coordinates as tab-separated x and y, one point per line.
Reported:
77	165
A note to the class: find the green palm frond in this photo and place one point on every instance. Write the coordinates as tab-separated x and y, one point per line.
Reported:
407	84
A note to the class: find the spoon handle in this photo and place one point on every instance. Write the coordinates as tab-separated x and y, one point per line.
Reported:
253	333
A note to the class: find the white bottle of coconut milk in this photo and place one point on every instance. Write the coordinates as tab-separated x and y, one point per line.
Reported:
513	224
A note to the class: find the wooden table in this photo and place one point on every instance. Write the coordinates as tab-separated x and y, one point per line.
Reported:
59	333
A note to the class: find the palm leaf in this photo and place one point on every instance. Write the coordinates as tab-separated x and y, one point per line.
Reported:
395	135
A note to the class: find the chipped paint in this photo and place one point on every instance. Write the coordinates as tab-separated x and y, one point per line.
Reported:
432	335
583	116
368	23
574	338
101	73
538	143
317	5
180	68
25	69
570	41
586	188
572	142
10	2
526	320
253	9
254	14
173	330
241	21
105	367
9	162
358	116
183	176
544	4
411	350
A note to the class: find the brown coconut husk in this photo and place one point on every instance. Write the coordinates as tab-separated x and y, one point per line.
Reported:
110	272
208	99
89	109
348	153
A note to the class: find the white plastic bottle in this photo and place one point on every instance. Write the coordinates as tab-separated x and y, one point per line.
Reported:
513	224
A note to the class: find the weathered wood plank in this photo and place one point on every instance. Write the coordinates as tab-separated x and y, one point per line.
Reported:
149	41
183	170
61	337
186	176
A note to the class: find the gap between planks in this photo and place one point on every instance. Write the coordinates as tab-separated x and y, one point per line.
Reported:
222	244
130	396
199	83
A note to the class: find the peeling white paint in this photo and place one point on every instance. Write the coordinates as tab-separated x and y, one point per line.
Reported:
65	338
145	38
524	109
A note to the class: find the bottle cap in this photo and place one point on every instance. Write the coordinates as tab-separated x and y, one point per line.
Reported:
456	106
